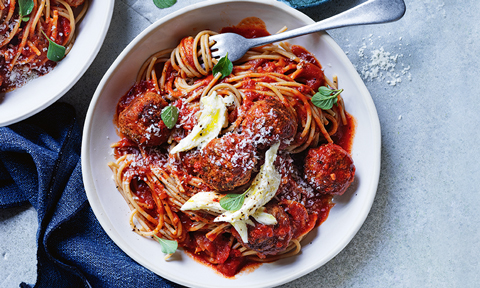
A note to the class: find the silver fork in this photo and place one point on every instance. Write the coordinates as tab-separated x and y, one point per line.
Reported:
369	12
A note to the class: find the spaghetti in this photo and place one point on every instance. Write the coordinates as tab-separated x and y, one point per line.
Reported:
23	45
268	104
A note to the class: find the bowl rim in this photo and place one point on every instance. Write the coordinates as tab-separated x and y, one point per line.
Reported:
84	65
86	145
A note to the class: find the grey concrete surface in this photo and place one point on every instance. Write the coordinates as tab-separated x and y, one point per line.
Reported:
423	228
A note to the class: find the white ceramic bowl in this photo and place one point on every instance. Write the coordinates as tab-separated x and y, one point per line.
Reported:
323	243
39	93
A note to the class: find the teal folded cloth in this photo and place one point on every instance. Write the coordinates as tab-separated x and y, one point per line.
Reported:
304	3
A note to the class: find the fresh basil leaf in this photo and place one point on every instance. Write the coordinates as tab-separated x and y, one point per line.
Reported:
224	66
167	246
55	52
169	116
325	98
232	202
25	19
25	7
324	90
324	104
164	3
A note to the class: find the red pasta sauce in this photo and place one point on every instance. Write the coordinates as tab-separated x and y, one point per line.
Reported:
217	253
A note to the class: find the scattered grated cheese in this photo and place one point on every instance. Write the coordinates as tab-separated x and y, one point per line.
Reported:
380	65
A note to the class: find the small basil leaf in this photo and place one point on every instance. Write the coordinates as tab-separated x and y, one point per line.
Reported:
325	90
324	104
55	52
164	3
232	202
25	7
167	246
325	98
224	66
169	116
25	19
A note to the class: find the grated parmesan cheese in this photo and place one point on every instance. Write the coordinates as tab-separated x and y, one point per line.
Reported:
376	64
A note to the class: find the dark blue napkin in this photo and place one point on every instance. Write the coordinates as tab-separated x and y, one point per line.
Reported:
303	3
40	165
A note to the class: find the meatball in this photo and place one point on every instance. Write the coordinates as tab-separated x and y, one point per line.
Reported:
227	162
141	121
74	3
301	221
269	121
191	161
292	186
269	239
329	169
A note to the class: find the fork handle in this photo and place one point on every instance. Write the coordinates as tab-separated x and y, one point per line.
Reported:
370	12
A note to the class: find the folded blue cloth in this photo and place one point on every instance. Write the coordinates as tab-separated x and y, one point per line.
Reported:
303	3
40	165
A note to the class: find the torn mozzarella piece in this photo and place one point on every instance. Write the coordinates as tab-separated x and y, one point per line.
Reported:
204	201
211	201
209	124
261	191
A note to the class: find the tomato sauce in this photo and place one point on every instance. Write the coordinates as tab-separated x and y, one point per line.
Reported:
143	193
15	72
319	206
345	134
187	50
217	252
304	54
250	27
64	31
